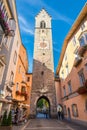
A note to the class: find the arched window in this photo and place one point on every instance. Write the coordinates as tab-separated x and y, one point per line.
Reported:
75	110
23	89
42	24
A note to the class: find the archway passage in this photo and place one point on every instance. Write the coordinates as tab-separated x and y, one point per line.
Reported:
43	108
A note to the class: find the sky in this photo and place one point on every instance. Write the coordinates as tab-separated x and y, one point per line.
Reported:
63	13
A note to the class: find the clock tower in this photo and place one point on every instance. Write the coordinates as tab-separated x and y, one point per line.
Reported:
43	67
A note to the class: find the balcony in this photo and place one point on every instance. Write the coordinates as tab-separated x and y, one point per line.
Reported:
9	28
82	89
77	61
82	50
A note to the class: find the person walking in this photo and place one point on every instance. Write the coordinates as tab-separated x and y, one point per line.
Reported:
59	113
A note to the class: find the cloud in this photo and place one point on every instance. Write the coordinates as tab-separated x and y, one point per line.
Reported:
25	26
56	15
57	50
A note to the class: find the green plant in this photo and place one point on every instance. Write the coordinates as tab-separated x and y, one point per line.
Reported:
9	119
4	119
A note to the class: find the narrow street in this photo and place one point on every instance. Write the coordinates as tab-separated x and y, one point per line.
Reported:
51	124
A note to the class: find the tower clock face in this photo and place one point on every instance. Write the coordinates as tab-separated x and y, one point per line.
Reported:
43	45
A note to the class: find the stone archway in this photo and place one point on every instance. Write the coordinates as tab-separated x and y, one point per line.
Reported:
43	107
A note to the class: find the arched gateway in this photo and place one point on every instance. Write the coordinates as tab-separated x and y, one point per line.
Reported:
43	67
43	107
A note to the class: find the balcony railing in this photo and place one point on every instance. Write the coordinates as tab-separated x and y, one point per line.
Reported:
9	28
82	49
77	61
82	89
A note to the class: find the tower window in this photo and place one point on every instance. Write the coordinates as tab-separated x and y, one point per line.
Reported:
43	53
42	24
42	73
43	64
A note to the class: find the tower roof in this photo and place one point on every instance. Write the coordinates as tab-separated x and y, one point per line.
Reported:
43	10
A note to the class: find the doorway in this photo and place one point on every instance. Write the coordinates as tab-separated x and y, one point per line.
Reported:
43	108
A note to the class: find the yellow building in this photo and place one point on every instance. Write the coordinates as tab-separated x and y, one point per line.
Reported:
71	79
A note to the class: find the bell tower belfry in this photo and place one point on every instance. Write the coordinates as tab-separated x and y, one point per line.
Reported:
43	67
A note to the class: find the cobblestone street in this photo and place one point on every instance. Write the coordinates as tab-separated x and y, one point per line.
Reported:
49	124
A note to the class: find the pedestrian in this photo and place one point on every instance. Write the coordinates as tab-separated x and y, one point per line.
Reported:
17	115
62	115
59	114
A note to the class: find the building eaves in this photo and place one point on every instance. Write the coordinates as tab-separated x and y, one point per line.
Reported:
73	29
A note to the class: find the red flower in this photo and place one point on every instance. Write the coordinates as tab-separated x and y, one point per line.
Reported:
17	92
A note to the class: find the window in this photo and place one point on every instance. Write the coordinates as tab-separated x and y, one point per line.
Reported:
64	109
11	76
82	26
23	76
74	110
2	66
15	57
43	64
42	73
65	56
83	39
42	24
23	89
67	69
82	42
17	86
74	40
5	40
86	37
64	90
28	79
86	105
62	74
43	53
81	77
69	87
1	36
19	69
1	3
86	66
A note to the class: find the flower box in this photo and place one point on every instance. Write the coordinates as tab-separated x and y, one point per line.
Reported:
18	93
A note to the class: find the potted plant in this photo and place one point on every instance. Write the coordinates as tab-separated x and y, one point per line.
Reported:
6	123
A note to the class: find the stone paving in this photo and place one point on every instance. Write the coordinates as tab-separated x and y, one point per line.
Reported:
49	124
